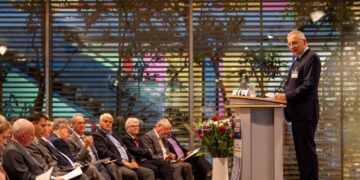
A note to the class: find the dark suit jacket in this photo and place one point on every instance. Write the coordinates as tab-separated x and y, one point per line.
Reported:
151	141
79	151
42	155
62	162
18	163
106	148
62	146
302	92
138	152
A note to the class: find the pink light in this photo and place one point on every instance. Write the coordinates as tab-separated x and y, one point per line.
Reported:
274	6
156	66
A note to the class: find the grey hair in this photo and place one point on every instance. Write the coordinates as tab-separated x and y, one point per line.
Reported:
59	122
105	115
132	119
299	34
75	116
162	122
20	127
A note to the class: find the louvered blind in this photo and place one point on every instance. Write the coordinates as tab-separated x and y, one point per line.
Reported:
22	80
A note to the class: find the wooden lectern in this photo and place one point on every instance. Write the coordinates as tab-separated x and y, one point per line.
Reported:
262	136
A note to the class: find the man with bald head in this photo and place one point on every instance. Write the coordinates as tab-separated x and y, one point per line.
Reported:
18	162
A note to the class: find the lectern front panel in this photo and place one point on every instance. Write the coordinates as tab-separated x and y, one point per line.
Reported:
262	143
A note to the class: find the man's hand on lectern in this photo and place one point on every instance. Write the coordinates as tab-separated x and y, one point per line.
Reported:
280	97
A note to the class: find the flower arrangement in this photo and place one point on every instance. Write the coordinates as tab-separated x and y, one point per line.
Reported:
217	135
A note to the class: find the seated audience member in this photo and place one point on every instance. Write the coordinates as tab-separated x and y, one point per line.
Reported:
107	145
58	146
41	153
200	166
5	129
143	155
38	151
18	163
81	147
156	142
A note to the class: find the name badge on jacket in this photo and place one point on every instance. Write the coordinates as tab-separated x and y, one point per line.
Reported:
294	74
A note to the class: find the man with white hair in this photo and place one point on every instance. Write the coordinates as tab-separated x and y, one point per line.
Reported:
143	155
18	163
108	145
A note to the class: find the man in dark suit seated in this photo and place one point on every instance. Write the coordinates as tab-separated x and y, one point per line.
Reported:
156	142
62	161
107	145
18	163
40	153
82	147
143	155
61	132
201	167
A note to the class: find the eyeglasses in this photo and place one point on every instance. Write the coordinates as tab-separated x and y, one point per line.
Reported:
133	126
67	128
291	44
107	122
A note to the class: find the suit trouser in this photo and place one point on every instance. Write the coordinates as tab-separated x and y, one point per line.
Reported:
114	171
142	173
93	173
200	166
162	167
182	169
305	147
101	168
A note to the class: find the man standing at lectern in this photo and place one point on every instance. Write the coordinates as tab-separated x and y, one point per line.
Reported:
301	94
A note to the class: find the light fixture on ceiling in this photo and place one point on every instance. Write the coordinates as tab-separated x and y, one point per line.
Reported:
316	15
3	49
